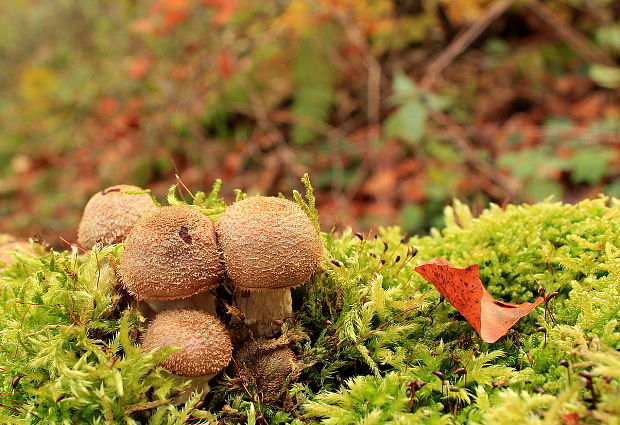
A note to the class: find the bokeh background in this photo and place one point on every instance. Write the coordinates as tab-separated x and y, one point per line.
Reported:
394	107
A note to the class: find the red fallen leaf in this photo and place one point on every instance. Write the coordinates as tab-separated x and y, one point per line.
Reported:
571	419
465	291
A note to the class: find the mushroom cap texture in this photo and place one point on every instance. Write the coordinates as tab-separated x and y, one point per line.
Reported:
110	214
269	366
206	344
268	243
171	253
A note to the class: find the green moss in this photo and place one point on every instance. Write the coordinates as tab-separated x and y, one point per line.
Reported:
367	327
69	354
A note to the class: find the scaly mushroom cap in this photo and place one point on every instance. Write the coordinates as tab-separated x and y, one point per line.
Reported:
268	243
171	253
205	341
110	214
269	366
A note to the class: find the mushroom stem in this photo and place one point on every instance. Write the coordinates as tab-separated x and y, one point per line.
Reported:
204	301
198	384
264	311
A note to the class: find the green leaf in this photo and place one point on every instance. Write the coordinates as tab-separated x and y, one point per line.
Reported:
605	76
438	102
403	86
613	189
412	217
532	163
590	165
408	122
315	79
540	189
609	36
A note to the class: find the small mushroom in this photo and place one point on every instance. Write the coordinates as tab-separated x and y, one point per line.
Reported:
171	260
268	366
110	214
269	245
206	347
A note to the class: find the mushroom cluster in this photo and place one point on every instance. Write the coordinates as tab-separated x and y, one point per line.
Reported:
175	256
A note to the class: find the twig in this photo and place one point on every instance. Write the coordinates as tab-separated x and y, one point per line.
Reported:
584	135
463	40
66	242
182	185
570	35
12	409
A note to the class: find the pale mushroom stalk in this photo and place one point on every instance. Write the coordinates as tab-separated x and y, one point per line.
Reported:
265	311
204	301
196	385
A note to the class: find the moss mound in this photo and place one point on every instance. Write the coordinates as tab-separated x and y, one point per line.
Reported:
367	329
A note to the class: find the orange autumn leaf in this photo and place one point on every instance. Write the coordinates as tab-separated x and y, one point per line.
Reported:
465	291
143	26
225	10
173	17
225	64
139	66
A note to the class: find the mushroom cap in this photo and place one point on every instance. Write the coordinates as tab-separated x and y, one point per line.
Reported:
206	346
171	253
110	214
268	243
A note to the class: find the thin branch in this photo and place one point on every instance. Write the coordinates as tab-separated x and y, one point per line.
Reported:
569	35
464	40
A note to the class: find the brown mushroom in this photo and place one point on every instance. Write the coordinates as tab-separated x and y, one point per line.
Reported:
171	259
110	214
269	245
205	347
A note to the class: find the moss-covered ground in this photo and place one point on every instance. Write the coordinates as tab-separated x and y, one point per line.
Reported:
368	331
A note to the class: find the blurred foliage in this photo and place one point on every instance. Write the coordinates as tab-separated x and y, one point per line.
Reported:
97	93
